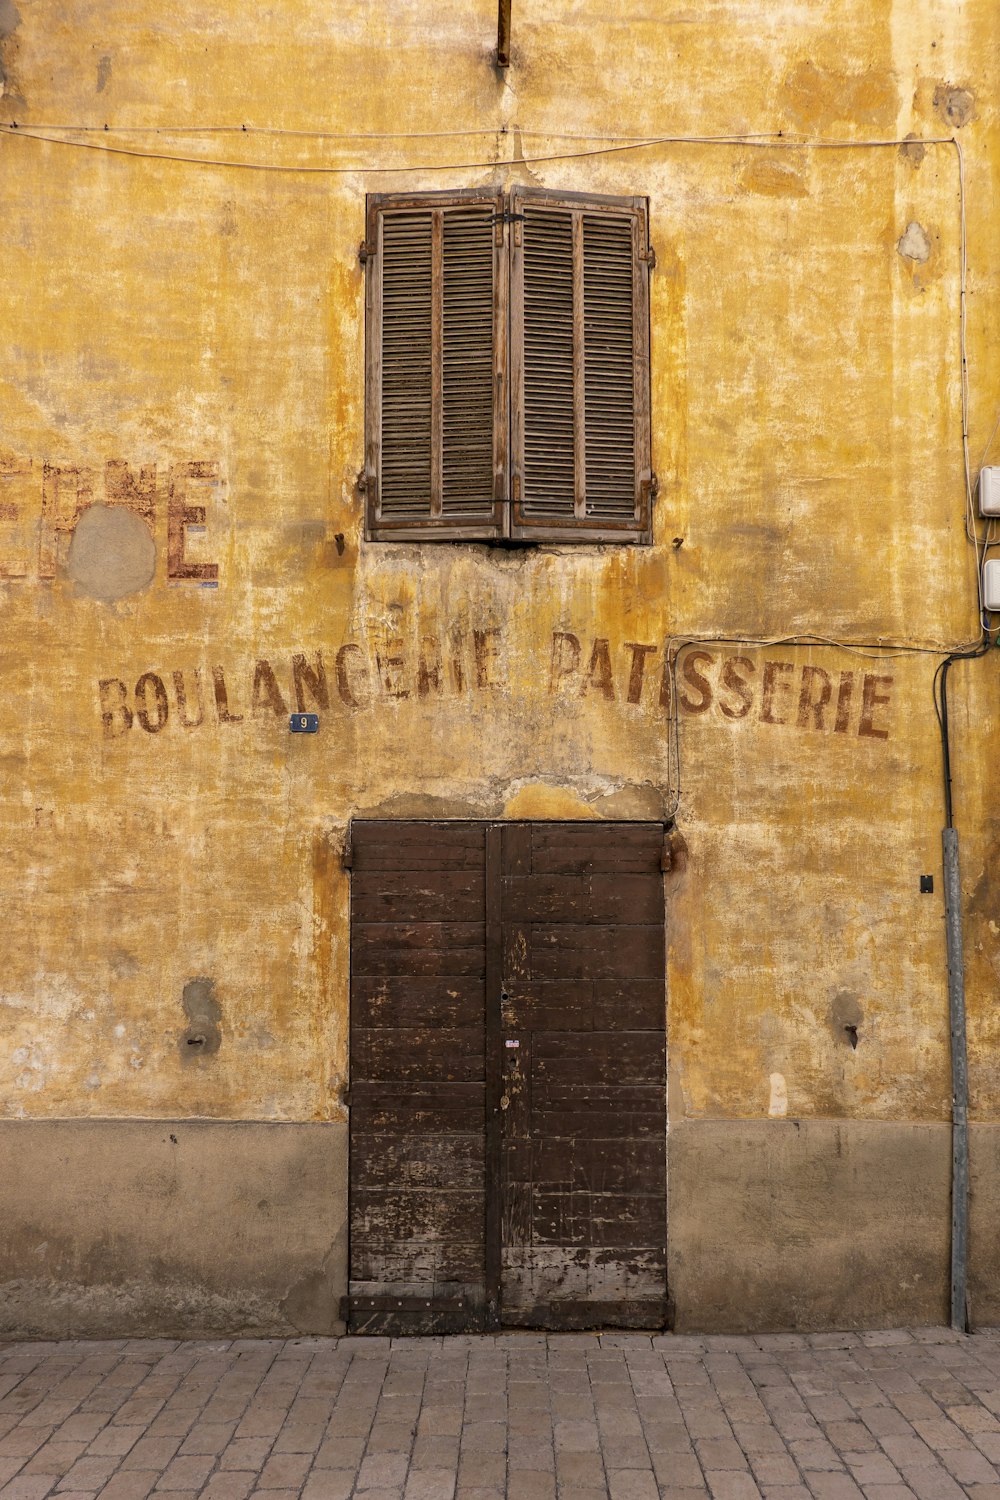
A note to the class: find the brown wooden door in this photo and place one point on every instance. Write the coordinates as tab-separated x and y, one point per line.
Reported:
508	1122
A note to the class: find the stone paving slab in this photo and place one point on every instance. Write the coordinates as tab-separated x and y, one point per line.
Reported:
831	1416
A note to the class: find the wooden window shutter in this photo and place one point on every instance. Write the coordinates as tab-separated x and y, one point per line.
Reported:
436	412
580	445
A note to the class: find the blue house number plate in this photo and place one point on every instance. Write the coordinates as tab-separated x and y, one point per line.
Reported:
304	723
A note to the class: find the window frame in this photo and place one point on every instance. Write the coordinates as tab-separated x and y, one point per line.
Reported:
508	521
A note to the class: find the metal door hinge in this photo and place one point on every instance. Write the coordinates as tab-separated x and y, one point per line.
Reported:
649	488
367	251
648	257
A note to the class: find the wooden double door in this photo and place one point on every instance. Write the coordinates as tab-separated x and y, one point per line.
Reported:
508	1077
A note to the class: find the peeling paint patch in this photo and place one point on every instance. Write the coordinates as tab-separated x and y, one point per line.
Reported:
204	1013
103	72
33	1067
778	1103
845	1019
913	150
914	244
955	105
112	553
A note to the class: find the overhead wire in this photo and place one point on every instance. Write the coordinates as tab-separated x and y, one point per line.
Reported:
609	147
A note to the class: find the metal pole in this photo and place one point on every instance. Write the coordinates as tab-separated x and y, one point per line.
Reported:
959	1083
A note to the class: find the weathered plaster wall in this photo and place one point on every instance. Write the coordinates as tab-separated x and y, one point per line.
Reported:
183	347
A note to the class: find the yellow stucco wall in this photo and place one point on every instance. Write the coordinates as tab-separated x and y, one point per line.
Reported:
206	321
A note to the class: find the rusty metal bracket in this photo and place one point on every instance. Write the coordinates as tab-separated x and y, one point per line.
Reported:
648	257
367	251
503	34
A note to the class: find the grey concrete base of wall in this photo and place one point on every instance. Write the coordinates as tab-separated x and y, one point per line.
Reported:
984	1226
809	1224
114	1228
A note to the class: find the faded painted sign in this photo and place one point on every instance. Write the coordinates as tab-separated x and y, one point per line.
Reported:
41	505
361	674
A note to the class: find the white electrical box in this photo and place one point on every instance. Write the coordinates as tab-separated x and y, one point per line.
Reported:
991	585
989	492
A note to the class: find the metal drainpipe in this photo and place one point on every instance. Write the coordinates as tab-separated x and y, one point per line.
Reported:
959	1051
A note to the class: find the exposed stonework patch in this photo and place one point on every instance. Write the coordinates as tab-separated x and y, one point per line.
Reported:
955	105
112	553
914	244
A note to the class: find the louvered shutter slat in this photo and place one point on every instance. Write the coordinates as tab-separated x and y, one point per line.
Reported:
435	389
580	396
549	467
468	363
405	490
609	362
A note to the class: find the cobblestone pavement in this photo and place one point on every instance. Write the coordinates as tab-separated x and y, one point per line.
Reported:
624	1416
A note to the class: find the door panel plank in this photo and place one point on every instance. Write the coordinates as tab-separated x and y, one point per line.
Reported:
594	898
583	1168
409	1000
396	1054
580	1005
417	895
418	1181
